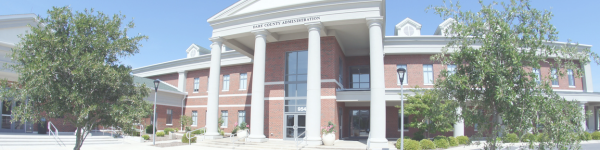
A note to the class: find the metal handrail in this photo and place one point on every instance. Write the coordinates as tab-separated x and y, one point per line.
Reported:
369	141
299	135
190	132
55	133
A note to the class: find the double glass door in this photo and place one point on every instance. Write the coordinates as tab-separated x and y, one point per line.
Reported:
292	122
7	125
360	123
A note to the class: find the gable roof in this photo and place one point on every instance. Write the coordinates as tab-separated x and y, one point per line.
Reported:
442	27
251	6
407	21
150	84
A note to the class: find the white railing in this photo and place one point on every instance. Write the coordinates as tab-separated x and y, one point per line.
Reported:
369	141
55	133
299	135
188	135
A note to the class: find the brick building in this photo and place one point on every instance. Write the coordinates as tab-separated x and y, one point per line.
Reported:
288	68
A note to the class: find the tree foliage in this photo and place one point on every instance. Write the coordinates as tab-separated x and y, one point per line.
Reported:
69	68
185	120
495	51
431	111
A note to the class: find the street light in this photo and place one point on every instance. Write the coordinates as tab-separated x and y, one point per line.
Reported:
156	83
401	72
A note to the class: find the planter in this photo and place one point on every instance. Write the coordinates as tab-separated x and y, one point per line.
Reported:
328	138
242	134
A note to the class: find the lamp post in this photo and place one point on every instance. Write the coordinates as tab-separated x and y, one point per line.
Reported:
156	83
401	72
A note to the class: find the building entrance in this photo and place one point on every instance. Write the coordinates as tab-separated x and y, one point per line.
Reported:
292	122
359	123
7	125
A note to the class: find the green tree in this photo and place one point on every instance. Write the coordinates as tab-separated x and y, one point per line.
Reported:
69	67
432	113
185	120
494	51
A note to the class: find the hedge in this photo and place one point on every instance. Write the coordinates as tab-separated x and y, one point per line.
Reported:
198	131
596	135
529	137
427	144
586	136
441	143
149	129
409	144
184	139
452	141
168	130
146	137
511	138
463	139
160	134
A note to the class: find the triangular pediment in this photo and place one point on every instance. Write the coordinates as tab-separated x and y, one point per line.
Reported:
444	26
408	27
251	6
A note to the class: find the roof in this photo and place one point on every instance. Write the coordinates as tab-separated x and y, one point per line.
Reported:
150	84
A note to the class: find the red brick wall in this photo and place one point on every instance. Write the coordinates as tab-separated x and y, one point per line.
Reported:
171	78
161	119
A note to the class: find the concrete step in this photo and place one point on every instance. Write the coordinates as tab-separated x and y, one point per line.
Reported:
284	145
41	139
31	143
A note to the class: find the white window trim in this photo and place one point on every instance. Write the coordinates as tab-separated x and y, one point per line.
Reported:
571	86
555	86
246	82
169	124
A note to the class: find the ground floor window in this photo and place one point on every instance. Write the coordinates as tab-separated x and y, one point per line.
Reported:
224	116
241	117
169	116
194	118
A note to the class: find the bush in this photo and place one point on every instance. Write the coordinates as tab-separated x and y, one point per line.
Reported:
540	137
596	135
234	131
188	129
160	134
511	138
408	144
184	139
586	136
149	129
441	142
222	132
452	141
427	144
529	137
463	139
146	137
169	130
198	131
418	136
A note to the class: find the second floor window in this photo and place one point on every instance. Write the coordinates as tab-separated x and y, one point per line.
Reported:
451	69
538	76
571	77
404	81
196	84
428	74
225	82
359	77
554	77
295	73
243	81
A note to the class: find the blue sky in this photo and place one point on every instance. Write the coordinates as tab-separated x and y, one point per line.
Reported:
174	25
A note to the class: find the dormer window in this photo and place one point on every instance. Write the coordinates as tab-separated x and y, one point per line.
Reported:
408	27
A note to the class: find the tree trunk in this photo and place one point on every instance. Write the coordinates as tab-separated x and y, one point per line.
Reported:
78	139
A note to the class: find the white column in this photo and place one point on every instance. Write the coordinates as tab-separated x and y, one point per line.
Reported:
459	127
378	122
181	80
583	125
313	85
257	109
588	85
212	110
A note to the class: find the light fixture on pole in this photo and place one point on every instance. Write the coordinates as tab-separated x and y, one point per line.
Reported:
156	83
401	73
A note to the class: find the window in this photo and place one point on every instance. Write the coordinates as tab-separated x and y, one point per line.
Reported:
428	74
554	77
194	118
359	77
241	117
243	81
451	69
295	105
224	116
538	76
475	127
571	78
169	116
225	82
405	80
341	73
295	73
406	121
196	84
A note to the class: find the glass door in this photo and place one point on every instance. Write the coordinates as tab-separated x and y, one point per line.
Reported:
359	123
293	122
6	125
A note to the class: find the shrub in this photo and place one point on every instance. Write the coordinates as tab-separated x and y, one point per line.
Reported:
511	138
418	136
452	141
146	137
160	134
184	139
596	135
586	136
540	137
427	144
222	132
529	137
169	130
441	142
463	139
234	131
408	144
149	129
188	129
198	131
